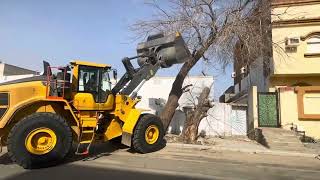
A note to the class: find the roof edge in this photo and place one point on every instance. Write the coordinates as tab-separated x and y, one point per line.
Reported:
279	3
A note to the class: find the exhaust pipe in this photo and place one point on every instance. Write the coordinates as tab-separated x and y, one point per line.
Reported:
169	50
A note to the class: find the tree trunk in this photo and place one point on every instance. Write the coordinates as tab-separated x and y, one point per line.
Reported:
177	89
190	130
175	93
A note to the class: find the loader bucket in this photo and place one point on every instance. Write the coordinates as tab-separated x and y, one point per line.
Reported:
169	49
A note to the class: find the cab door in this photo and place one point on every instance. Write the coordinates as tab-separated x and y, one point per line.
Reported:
87	90
93	91
106	98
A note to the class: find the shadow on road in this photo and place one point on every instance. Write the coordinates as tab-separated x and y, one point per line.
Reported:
96	151
89	173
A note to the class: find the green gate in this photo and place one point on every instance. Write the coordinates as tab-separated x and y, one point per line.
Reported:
268	114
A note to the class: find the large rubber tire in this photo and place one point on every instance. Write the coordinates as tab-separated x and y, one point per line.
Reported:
16	140
139	142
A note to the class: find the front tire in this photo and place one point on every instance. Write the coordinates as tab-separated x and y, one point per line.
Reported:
148	134
39	140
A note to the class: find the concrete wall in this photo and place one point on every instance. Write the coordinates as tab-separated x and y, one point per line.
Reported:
155	93
252	111
287	62
293	62
289	112
223	120
296	12
256	76
293	81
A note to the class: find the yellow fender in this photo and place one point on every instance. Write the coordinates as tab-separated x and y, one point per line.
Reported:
131	121
125	110
10	115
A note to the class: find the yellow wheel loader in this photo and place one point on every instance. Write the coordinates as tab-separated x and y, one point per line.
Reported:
41	116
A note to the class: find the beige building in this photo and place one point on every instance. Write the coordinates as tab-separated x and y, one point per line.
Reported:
285	92
295	70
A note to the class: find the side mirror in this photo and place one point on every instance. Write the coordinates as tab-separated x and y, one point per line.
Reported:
115	74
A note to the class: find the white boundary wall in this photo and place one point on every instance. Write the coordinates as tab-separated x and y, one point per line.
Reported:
223	120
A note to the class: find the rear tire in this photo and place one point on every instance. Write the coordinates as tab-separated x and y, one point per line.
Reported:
19	135
140	142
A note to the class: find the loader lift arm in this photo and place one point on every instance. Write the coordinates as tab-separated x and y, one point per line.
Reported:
134	76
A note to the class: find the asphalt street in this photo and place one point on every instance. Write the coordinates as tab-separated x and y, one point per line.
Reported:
170	163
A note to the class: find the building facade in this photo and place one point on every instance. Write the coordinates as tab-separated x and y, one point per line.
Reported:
295	72
290	80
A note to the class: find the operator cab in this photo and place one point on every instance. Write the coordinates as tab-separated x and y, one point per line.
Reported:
91	86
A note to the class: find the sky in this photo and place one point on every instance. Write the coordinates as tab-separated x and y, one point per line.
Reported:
60	31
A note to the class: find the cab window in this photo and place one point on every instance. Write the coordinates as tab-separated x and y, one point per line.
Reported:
88	79
95	81
105	86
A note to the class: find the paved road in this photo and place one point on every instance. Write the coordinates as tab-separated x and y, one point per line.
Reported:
171	163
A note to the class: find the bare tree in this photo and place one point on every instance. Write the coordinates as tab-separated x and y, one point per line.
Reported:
210	29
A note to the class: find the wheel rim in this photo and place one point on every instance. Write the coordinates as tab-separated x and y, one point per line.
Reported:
41	141
152	134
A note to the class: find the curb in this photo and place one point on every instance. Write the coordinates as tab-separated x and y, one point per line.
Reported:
243	150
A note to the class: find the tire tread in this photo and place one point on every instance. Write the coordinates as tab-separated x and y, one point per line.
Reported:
25	122
138	139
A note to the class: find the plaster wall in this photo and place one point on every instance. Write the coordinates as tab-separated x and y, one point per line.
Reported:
289	112
252	110
288	62
296	12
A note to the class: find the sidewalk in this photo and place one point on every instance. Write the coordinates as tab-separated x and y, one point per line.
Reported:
243	145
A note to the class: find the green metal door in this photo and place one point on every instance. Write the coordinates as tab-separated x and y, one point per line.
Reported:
268	109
